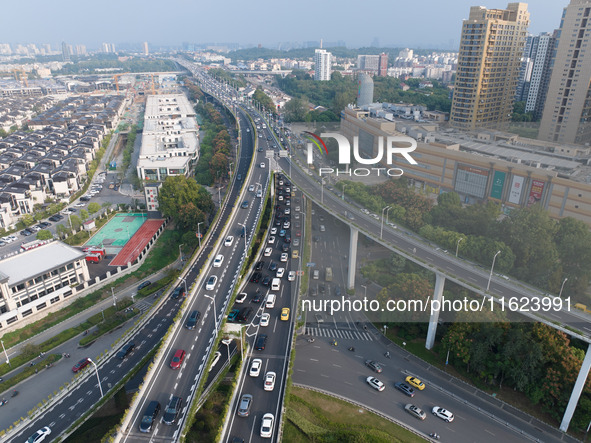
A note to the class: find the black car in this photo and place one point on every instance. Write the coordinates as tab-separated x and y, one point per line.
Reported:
144	285
266	281
125	350
259	265
256	298
56	218
192	320
26	232
85	198
44	224
285	247
243	315
255	277
272	266
172	410
149	417
261	342
373	365
404	388
178	292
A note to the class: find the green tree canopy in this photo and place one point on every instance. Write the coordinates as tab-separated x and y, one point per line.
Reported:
186	202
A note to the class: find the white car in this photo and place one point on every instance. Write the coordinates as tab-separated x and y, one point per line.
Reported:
39	435
291	276
280	198
229	240
80	205
443	414
267	425
217	262
260	194
265	319
273	231
287	212
211	282
268	252
241	297
280	272
251	188
263	165
270	381
287	202
271	239
255	367
284	257
375	383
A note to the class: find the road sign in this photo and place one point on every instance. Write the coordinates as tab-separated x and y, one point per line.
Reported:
310	264
300	273
199	235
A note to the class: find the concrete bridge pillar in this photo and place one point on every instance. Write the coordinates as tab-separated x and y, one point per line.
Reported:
577	389
437	295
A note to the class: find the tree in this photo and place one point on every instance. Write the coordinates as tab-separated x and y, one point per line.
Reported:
84	214
28	219
44	234
186	202
93	207
74	221
573	243
295	110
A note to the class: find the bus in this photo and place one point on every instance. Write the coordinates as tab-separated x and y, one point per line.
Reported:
328	274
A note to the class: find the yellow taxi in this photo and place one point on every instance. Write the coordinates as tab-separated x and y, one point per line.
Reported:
295	253
415	382
285	314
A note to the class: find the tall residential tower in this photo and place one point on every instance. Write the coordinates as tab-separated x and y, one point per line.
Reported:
567	111
322	64
488	66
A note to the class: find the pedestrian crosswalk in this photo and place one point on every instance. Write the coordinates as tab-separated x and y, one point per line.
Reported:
349	334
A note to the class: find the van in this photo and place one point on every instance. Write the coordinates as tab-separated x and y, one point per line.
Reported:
316	274
276	284
328	274
270	303
243	315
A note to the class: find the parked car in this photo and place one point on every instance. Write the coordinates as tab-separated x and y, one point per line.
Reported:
125	350
149	416
244	405
172	410
80	365
40	435
415	411
177	359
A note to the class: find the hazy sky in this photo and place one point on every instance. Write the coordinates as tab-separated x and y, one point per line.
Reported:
413	23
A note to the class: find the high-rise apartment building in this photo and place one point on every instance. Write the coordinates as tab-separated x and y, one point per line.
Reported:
540	55
491	47
567	111
369	63
65	52
146	49
383	65
322	60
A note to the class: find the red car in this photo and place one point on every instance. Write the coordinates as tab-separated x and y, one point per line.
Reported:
178	358
80	365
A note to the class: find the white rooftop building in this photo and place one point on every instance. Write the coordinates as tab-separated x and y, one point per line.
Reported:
170	143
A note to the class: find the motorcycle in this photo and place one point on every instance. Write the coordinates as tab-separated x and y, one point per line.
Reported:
3	402
334	343
14	393
66	355
434	435
310	340
387	355
85	332
351	348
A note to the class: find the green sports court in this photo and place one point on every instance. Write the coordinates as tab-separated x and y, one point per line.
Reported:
117	232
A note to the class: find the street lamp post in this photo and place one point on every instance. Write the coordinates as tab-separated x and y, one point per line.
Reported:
185	282
180	252
114	298
97	375
199	233
385	329
321	190
227	343
215	317
382	224
364	291
458	245
5	353
491	270
562	287
343	194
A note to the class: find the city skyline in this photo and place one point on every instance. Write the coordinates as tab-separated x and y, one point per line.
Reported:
132	24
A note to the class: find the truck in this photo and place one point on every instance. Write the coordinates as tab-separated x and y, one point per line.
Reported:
93	258
328	274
